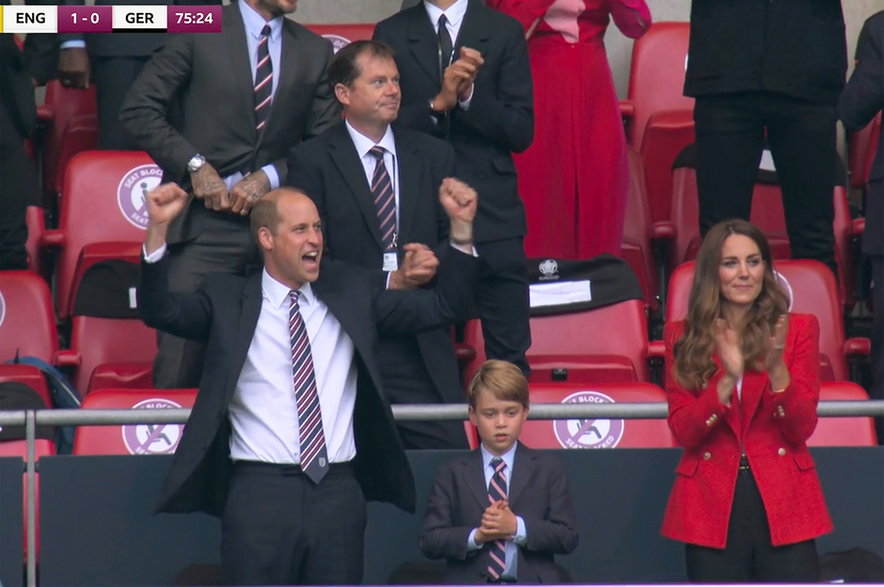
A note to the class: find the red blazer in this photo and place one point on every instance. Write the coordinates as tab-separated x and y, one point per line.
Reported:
772	430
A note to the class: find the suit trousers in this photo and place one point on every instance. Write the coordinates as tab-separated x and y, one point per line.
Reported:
502	301
877	356
113	76
18	190
223	246
280	528
749	556
730	134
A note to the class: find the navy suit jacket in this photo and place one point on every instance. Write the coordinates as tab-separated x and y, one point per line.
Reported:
224	312
538	492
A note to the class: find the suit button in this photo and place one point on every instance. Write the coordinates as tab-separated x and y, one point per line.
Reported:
707	455
781	452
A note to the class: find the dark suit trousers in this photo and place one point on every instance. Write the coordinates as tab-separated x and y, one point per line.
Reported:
18	190
730	131
877	356
223	246
113	76
749	556
280	528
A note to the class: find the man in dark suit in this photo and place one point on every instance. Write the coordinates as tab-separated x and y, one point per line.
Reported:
501	513
337	170
759	67
290	429
113	62
468	82
18	180
862	99
246	96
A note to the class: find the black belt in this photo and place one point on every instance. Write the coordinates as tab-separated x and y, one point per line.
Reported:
285	468
744	463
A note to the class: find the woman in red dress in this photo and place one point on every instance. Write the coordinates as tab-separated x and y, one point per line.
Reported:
573	178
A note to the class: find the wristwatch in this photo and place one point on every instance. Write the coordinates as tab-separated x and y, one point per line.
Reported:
195	163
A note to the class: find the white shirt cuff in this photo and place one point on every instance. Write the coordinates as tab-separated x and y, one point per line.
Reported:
73	44
465	104
155	256
471	541
521	535
272	175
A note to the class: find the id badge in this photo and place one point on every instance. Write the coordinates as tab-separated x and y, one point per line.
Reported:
391	261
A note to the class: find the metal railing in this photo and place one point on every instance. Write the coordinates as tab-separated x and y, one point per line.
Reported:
412	412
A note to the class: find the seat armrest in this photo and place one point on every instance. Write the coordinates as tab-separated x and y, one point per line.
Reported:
857	346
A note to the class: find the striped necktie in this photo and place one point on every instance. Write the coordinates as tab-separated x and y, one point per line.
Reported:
384	199
314	457
496	492
263	80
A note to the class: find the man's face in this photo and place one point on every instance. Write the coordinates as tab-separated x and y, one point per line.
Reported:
373	98
292	251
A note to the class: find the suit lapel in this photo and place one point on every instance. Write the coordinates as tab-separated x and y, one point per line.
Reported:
423	43
346	159
238	54
245	327
409	185
523	470
474	30
474	478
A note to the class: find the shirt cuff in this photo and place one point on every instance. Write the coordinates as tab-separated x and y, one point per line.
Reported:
471	541
521	536
73	44
272	175
465	104
471	250
155	256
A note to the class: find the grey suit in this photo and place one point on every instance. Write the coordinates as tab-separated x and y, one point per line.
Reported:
208	78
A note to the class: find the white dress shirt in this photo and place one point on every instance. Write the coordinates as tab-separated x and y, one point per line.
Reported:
454	15
263	414
363	145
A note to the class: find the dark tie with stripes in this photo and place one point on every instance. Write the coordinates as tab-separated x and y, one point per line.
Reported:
497	492
263	80
314	457
384	199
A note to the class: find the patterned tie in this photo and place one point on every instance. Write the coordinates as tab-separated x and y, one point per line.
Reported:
314	458
497	492
446	50
384	200
263	80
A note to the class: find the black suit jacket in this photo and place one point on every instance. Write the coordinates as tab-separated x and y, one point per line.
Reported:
329	170
538	492
500	118
794	47
210	79
224	314
862	99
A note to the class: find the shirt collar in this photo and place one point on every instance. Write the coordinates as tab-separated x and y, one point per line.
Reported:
509	457
364	144
254	22
277	293
453	13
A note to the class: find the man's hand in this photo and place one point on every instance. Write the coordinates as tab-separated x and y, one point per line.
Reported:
164	203
418	267
209	187
460	202
498	523
73	68
474	58
249	190
458	75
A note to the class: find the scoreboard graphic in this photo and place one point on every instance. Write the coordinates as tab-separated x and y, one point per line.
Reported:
110	19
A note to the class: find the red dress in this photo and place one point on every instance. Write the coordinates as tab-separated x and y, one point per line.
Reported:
573	179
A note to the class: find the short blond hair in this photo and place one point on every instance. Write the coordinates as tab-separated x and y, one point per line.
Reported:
503	379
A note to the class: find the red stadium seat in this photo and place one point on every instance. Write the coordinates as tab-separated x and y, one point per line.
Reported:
60	107
30	376
80	134
576	347
812	290
666	134
136	439
102	215
598	433
34	219
27	324
112	352
861	148
342	35
843	431
767	213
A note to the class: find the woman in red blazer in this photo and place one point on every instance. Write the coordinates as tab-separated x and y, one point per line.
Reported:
743	386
